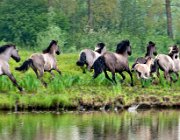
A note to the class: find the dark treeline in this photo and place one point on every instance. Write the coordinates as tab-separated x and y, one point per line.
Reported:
82	23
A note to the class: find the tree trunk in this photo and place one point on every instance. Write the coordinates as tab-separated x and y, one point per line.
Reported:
169	19
90	14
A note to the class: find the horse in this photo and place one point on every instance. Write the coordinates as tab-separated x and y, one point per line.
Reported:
43	62
151	50
88	56
168	63
6	52
144	70
115	62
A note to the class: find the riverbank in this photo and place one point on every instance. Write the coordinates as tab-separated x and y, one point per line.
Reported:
76	91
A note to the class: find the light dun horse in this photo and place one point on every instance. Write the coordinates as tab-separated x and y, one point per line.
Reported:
6	52
114	62
88	56
42	62
169	63
144	70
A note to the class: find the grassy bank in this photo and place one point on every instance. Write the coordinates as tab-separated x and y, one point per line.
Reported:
75	90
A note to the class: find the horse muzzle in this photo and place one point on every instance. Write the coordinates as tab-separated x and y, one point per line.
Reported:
155	53
58	52
18	59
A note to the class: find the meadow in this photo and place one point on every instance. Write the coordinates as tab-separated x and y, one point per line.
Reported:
74	90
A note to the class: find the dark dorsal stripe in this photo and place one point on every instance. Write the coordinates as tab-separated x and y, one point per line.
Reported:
4	47
47	50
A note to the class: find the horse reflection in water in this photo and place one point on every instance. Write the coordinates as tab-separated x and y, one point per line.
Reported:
42	62
6	52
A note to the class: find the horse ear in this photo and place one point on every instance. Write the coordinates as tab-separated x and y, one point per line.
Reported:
152	43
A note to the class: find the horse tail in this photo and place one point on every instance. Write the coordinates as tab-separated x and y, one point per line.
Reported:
82	59
25	65
99	65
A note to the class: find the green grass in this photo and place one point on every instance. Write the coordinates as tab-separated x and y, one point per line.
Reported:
74	88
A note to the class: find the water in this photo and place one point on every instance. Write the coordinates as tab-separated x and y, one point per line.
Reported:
144	125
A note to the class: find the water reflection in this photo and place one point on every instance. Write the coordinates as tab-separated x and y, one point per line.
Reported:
145	125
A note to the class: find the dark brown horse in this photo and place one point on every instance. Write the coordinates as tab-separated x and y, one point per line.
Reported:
114	62
42	62
6	52
151	50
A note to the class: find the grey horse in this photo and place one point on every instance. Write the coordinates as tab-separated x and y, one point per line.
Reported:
168	63
87	56
6	52
42	62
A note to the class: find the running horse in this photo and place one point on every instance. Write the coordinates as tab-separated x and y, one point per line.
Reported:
43	62
6	52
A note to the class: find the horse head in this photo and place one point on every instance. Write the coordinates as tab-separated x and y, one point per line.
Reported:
100	48
124	46
151	49
173	50
14	54
53	48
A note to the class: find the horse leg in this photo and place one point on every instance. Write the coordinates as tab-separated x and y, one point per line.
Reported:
83	69
41	77
12	78
57	69
123	77
52	74
107	76
177	76
129	72
35	70
113	77
158	73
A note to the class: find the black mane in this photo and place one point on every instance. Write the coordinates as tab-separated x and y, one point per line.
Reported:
174	51
150	45
4	47
47	50
122	46
101	46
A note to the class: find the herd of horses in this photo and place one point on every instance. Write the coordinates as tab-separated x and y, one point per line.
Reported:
99	59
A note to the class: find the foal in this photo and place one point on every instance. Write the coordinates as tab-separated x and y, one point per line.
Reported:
6	52
114	62
143	70
87	56
42	62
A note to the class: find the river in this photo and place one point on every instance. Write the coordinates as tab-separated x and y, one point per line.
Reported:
141	125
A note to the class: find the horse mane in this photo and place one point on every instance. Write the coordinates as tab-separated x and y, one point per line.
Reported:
101	47
47	50
174	51
122	46
4	47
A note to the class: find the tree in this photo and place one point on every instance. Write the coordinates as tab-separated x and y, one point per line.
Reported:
20	21
169	18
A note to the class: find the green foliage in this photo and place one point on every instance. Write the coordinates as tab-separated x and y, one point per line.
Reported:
22	20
